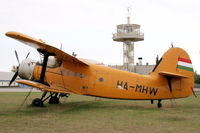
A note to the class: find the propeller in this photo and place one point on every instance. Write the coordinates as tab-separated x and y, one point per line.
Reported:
14	77
17	57
17	72
27	55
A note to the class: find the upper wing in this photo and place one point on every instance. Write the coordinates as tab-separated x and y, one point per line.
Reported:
39	44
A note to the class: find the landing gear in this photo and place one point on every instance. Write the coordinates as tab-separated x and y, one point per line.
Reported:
159	103
64	95
37	102
53	99
151	101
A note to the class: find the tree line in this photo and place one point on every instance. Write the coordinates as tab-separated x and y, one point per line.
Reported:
196	77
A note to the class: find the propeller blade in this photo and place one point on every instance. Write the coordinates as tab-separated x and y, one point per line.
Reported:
17	57
13	78
27	55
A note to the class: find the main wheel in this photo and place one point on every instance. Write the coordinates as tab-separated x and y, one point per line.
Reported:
54	100
37	102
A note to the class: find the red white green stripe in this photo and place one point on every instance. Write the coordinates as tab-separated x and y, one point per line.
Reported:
185	64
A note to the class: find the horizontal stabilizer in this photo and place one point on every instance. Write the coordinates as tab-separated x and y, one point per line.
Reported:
42	87
164	73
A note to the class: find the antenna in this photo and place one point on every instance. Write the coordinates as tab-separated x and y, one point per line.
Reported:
61	46
128	14
73	54
172	45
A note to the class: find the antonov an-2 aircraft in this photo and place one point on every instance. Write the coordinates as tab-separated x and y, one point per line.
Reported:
63	74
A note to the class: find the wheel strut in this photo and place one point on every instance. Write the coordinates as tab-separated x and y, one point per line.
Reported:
152	101
159	103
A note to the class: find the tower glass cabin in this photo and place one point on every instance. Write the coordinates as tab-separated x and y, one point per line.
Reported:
128	34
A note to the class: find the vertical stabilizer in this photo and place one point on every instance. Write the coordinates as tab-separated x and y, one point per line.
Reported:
176	66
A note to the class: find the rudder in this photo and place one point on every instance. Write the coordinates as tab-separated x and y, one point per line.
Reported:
175	62
176	66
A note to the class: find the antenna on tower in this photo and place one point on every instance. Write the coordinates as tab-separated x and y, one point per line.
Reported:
128	14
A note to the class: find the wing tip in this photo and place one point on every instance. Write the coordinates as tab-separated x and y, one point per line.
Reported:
21	36
10	33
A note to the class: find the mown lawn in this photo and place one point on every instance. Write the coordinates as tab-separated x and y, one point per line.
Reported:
83	114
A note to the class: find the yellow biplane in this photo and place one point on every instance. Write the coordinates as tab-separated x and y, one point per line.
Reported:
61	74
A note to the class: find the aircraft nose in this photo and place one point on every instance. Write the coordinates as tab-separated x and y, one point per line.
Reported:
26	69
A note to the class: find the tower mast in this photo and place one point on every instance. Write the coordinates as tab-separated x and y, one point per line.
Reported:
128	34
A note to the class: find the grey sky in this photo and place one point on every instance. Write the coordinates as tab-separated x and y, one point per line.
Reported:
86	27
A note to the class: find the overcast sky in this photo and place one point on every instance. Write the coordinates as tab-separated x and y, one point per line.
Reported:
86	27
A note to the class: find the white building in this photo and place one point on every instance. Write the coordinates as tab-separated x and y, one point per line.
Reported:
5	78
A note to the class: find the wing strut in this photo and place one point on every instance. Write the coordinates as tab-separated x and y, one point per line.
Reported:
44	64
169	79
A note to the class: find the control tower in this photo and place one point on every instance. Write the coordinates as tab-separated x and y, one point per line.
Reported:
128	34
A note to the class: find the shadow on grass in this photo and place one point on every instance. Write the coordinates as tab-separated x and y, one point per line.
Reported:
91	105
174	119
81	106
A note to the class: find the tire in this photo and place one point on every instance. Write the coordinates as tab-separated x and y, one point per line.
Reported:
54	100
159	105
37	102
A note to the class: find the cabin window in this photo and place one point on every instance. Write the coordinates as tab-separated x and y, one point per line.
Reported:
82	75
101	79
68	73
75	74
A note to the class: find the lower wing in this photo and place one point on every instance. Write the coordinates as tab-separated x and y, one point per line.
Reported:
43	87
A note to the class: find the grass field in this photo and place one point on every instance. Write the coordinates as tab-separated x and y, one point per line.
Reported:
83	114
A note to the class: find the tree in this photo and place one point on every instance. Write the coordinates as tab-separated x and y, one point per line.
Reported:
196	77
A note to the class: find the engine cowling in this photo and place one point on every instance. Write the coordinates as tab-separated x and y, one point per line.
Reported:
26	69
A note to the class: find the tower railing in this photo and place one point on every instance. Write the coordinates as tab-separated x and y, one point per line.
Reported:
136	36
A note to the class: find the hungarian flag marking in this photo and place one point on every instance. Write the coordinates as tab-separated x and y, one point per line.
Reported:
185	64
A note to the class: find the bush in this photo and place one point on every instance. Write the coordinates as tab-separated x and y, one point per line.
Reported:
196	77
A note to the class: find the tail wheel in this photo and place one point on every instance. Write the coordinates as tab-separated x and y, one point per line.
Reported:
159	105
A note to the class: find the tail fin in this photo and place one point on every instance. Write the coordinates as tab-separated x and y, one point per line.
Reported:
176	66
175	63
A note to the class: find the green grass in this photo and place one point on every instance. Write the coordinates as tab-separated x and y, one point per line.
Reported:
88	115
